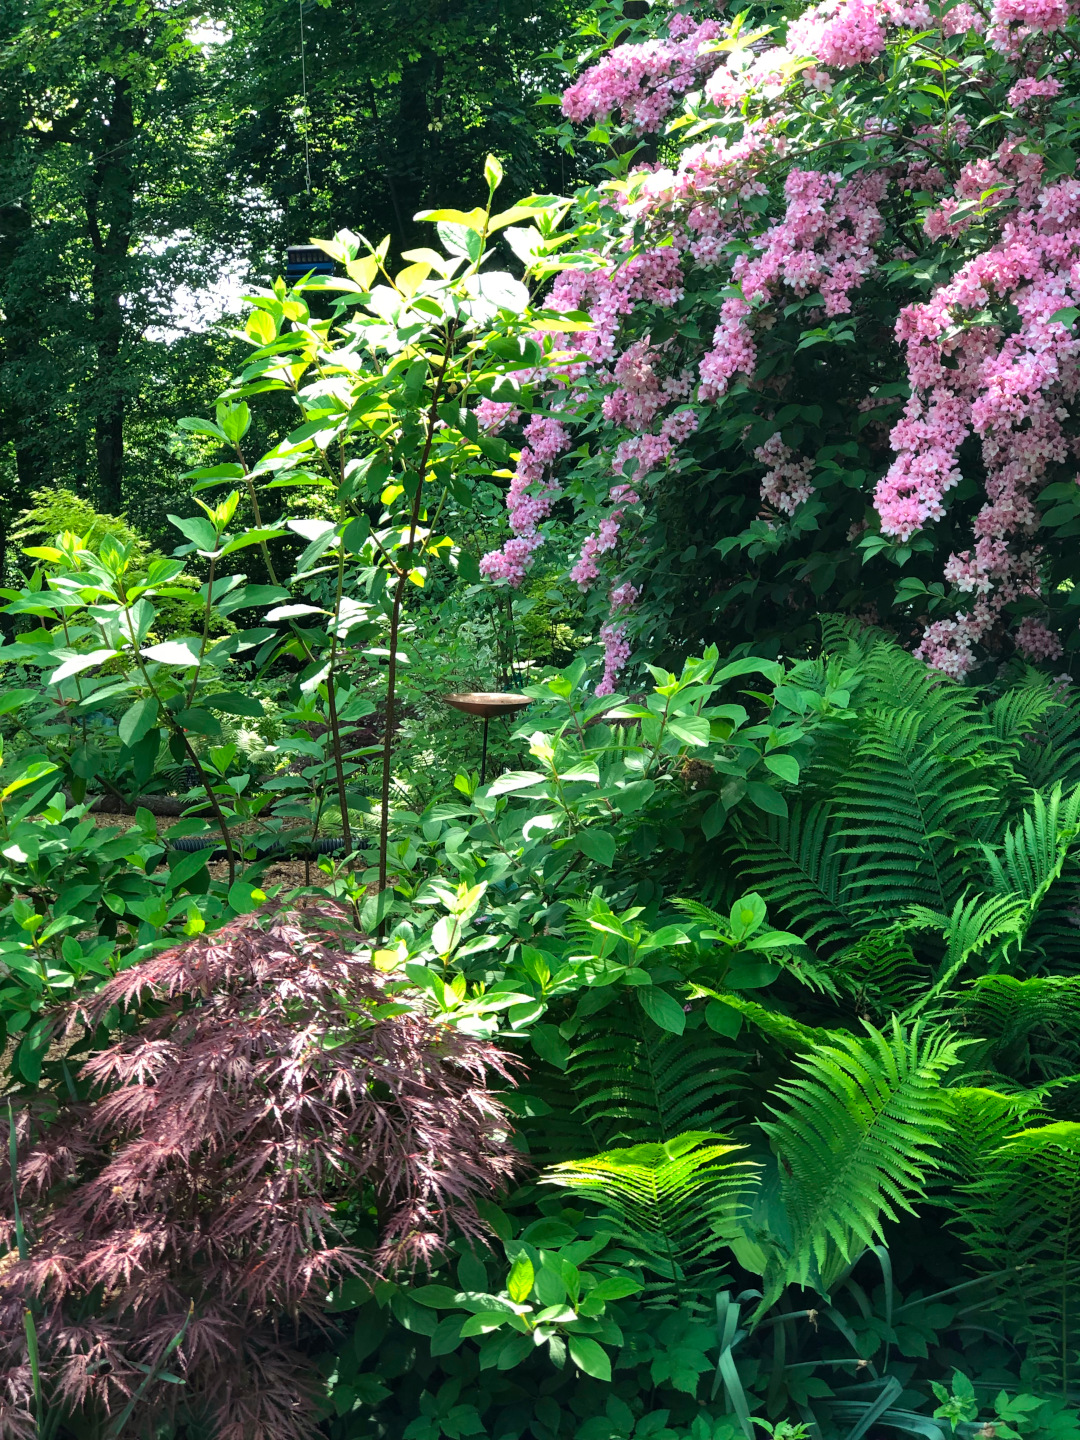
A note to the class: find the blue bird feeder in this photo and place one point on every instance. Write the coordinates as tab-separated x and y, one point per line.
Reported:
301	260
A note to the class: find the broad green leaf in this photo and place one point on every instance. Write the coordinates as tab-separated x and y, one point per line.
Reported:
245	897
690	729
712	822
483	1322
183	866
598	845
198	721
196	529
662	1008
785	766
138	720
290	612
766	798
437	1297
589	1357
516	780
74	664
550	1045
34	771
231	702
493	172
174	652
519	1285
747	915
15	699
616	1288
251	537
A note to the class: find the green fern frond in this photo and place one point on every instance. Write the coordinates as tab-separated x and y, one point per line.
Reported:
855	1142
1009	1014
904	805
702	913
880	970
1022	1216
980	1121
797	865
1014	715
976	922
672	1206
788	1033
844	634
897	682
1035	848
1051	751
635	1081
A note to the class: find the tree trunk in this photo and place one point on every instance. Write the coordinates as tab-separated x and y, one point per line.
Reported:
110	206
413	143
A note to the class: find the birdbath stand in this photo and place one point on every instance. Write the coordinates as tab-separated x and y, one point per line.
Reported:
490	705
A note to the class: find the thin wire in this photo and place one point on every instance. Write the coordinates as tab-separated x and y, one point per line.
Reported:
307	113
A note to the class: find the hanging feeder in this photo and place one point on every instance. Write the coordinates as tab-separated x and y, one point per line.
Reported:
490	706
301	260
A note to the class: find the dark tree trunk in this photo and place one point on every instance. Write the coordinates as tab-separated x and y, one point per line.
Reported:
646	147
413	143
20	339
110	207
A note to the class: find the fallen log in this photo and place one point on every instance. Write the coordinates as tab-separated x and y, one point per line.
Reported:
164	805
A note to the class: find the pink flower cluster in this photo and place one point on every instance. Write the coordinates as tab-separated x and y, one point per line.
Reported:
529	499
1012	389
644	82
985	360
613	634
608	296
786	483
493	415
1035	642
824	243
1025	91
1011	174
839	32
1012	22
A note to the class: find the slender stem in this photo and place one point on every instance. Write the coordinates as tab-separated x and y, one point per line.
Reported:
205	629
395	614
255	511
178	730
331	700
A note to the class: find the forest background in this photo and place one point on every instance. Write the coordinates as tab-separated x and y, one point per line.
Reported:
703	1063
154	161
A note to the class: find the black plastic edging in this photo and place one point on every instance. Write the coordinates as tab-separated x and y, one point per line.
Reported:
328	845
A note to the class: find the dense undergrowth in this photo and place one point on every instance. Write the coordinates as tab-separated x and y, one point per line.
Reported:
709	1067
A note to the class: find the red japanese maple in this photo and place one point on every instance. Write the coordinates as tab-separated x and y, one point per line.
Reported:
269	1091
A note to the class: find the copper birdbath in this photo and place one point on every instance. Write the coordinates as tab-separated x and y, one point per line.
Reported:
490	705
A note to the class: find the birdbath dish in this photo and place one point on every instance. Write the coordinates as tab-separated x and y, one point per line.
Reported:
489	705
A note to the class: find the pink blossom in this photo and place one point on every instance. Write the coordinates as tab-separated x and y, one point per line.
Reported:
1014	21
839	32
616	654
1035	642
824	242
644	82
624	596
1011	390
529	499
493	415
786	483
1025	91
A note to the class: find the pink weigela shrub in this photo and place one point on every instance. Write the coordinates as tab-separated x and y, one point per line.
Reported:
832	360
